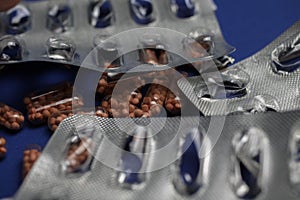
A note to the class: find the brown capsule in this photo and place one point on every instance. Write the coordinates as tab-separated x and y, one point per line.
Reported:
7	124
70	152
2	120
2	141
54	127
64	116
82	158
52	120
61	107
58	120
146	114
178	105
147	100
38	116
53	110
135	101
102	82
131	108
138	113
31	117
150	56
145	108
42	98
3	152
30	157
11	118
33	157
101	89
169	107
26	152
105	104
5	108
20	119
105	115
31	110
74	164
163	58
139	96
46	113
26	159
15	126
36	104
27	100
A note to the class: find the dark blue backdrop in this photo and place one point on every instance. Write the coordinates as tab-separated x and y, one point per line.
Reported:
247	25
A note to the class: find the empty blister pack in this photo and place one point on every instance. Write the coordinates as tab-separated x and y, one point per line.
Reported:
232	157
268	80
76	32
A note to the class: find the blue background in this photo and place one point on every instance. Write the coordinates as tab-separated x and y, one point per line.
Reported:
247	25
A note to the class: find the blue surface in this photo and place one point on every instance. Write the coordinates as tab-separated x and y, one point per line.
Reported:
251	25
15	83
247	25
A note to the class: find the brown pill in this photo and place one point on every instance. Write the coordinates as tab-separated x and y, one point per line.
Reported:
150	56
61	107
11	118
77	155
147	100
163	58
53	110
178	105
169	107
46	113
21	119
33	156
54	127
58	120
145	108
131	108
138	113
3	149
27	100
26	152
38	115
15	126
52	120
139	96
30	157
103	82
135	101
105	104
7	124
64	116
2	141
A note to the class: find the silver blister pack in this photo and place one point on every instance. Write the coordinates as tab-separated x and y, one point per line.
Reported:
268	80
86	33
232	157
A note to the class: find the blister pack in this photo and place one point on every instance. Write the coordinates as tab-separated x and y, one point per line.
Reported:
232	157
77	32
269	80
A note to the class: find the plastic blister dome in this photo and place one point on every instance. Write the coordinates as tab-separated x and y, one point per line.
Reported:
11	49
